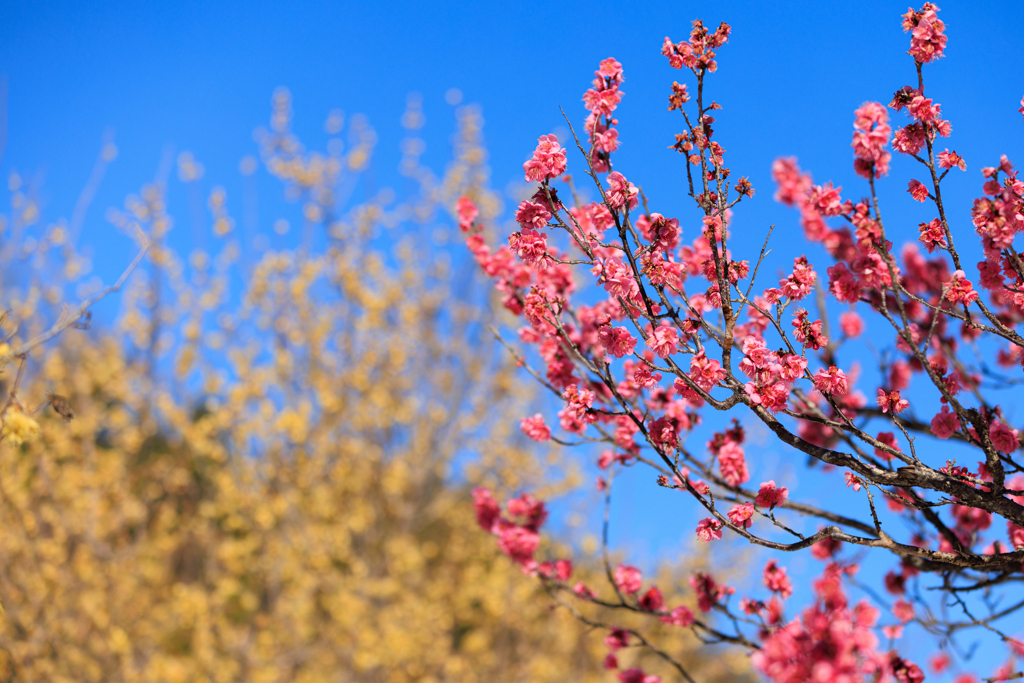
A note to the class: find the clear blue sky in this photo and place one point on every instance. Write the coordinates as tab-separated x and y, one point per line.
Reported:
199	76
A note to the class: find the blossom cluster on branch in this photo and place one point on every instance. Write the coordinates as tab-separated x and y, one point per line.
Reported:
681	328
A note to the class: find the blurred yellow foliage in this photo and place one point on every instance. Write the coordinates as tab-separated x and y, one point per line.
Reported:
288	498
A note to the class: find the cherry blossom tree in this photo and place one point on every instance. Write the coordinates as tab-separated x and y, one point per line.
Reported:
682	327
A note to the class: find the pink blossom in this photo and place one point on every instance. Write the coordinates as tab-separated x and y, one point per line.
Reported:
871	134
826	548
1003	438
939	662
927	40
708	591
611	69
851	324
518	543
578	401
602	102
528	508
530	246
608	141
535	428
663	340
910	139
1015	534
680	616
768	496
808	333
619	280
949	159
467	213
652	600
635	675
576	415
959	289
740	515
548	160
643	377
945	423
776	580
563	570
843	284
889	439
705	372
801	281
622	193
829	643
832	381
616	340
922	109
792	185
616	639
679	96
899	375
893	631
709	529
663	233
581	590
826	200
487	509
628	579
664	431
732	464
932	235
903	610
917	190
853	480
891	402
532	215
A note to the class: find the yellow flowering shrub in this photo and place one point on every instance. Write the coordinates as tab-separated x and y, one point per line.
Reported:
275	485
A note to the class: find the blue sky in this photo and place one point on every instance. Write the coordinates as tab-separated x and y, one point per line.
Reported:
199	76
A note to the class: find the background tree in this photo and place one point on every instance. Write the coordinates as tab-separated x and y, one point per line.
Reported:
274	485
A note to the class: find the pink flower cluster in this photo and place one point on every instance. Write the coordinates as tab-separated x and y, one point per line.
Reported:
535	428
548	160
959	289
622	193
704	372
800	282
601	101
616	340
832	381
740	515
590	351
891	402
927	40
517	537
698	53
770	496
871	132
830	642
577	414
998	217
709	529
773	374
927	125
776	580
663	340
467	213
727	448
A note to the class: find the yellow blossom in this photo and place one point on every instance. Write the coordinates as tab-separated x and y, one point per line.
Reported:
18	427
